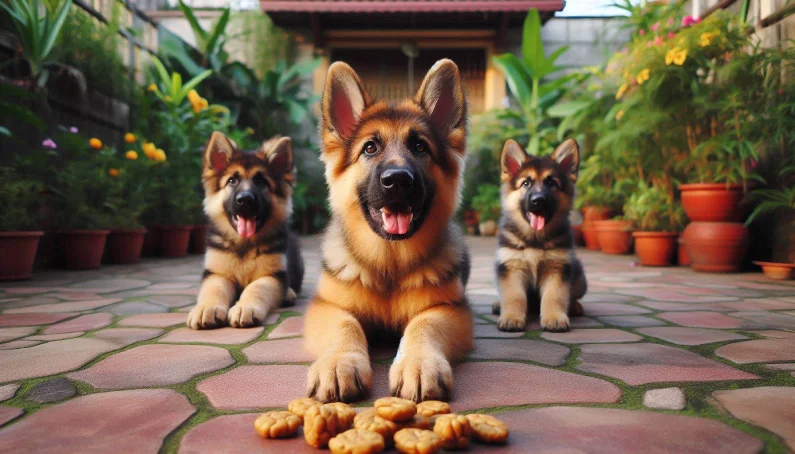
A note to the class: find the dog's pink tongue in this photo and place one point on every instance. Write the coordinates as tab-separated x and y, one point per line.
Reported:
537	222
246	227
396	223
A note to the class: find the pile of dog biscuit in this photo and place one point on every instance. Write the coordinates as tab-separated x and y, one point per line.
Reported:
412	428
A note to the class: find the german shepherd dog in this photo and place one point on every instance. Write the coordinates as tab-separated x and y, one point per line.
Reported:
535	259
392	260
252	258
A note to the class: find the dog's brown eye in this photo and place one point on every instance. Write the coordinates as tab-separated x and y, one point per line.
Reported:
370	148
260	180
526	183
231	181
551	182
420	146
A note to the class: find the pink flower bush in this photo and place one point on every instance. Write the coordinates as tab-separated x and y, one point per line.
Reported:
655	27
688	21
658	40
641	32
670	21
671	35
73	130
49	143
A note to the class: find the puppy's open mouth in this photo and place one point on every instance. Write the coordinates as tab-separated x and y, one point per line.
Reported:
395	219
246	227
537	220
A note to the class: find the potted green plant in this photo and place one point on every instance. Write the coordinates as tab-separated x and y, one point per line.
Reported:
657	221
19	235
487	204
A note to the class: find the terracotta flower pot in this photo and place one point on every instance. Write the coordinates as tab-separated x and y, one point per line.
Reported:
576	231
590	237
717	247
174	240
597	213
488	228
681	253
151	241
198	239
17	254
124	245
707	202
778	271
82	249
615	237
655	248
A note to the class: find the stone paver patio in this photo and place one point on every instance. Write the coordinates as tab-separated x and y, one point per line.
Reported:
664	360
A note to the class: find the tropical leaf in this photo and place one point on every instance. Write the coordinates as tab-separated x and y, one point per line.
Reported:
198	31
517	76
564	109
532	46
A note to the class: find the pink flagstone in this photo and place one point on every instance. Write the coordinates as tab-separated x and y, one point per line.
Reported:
155	320
492	331
31	319
599	309
9	414
586	336
172	300
18	344
108	285
122	421
520	350
127	336
759	351
50	358
609	431
255	387
689	336
638	364
53	337
703	319
7	334
770	320
772	408
233	434
278	351
154	365
224	336
775	334
291	326
82	323
631	321
72	306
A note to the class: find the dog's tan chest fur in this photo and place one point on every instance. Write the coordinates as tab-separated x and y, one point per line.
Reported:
246	269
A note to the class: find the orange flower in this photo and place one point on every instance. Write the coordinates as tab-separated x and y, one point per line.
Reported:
159	155
113	172
131	155
129	137
149	150
95	143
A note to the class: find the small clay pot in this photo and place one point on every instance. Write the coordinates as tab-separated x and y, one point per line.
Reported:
681	253
17	254
777	271
488	228
174	240
655	248
198	239
708	202
590	237
597	213
716	247
615	236
82	249
124	246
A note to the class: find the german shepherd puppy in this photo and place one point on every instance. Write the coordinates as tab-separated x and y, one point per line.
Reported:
252	258
535	260
392	260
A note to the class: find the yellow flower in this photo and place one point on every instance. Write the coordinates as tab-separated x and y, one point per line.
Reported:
643	76
159	155
129	137
193	96
677	56
113	172
198	104
131	155
149	149
620	115
151	88
95	143
706	38
622	90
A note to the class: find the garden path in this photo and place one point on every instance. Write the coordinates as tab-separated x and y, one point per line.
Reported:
664	360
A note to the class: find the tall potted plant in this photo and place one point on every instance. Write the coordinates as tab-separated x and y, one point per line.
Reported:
487	204
19	235
656	231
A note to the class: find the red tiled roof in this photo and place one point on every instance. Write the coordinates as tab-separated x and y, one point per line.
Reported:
408	6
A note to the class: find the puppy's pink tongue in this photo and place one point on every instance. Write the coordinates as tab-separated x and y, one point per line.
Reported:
246	227
537	222
396	223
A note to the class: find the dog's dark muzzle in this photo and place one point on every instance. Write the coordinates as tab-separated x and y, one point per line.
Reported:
246	205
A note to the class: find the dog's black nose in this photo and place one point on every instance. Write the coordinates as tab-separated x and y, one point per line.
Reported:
400	179
538	202
246	203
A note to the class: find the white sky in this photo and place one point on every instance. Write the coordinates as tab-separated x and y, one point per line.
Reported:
589	8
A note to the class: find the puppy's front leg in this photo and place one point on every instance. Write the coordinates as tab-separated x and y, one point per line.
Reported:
258	299
431	341
342	370
512	285
555	298
215	296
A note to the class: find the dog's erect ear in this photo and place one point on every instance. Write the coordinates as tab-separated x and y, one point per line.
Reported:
344	99
218	153
442	95
513	156
280	156
567	155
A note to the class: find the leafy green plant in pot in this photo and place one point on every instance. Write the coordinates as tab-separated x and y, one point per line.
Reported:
19	235
487	204
650	209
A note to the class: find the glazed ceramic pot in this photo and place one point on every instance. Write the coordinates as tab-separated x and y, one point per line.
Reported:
17	254
708	202
82	249
716	247
615	236
124	246
655	248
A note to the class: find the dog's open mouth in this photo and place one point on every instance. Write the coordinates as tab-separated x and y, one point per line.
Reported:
246	227
537	220
395	219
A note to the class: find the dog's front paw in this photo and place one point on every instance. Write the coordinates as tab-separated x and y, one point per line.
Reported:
340	377
207	316
420	377
557	322
244	316
511	323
